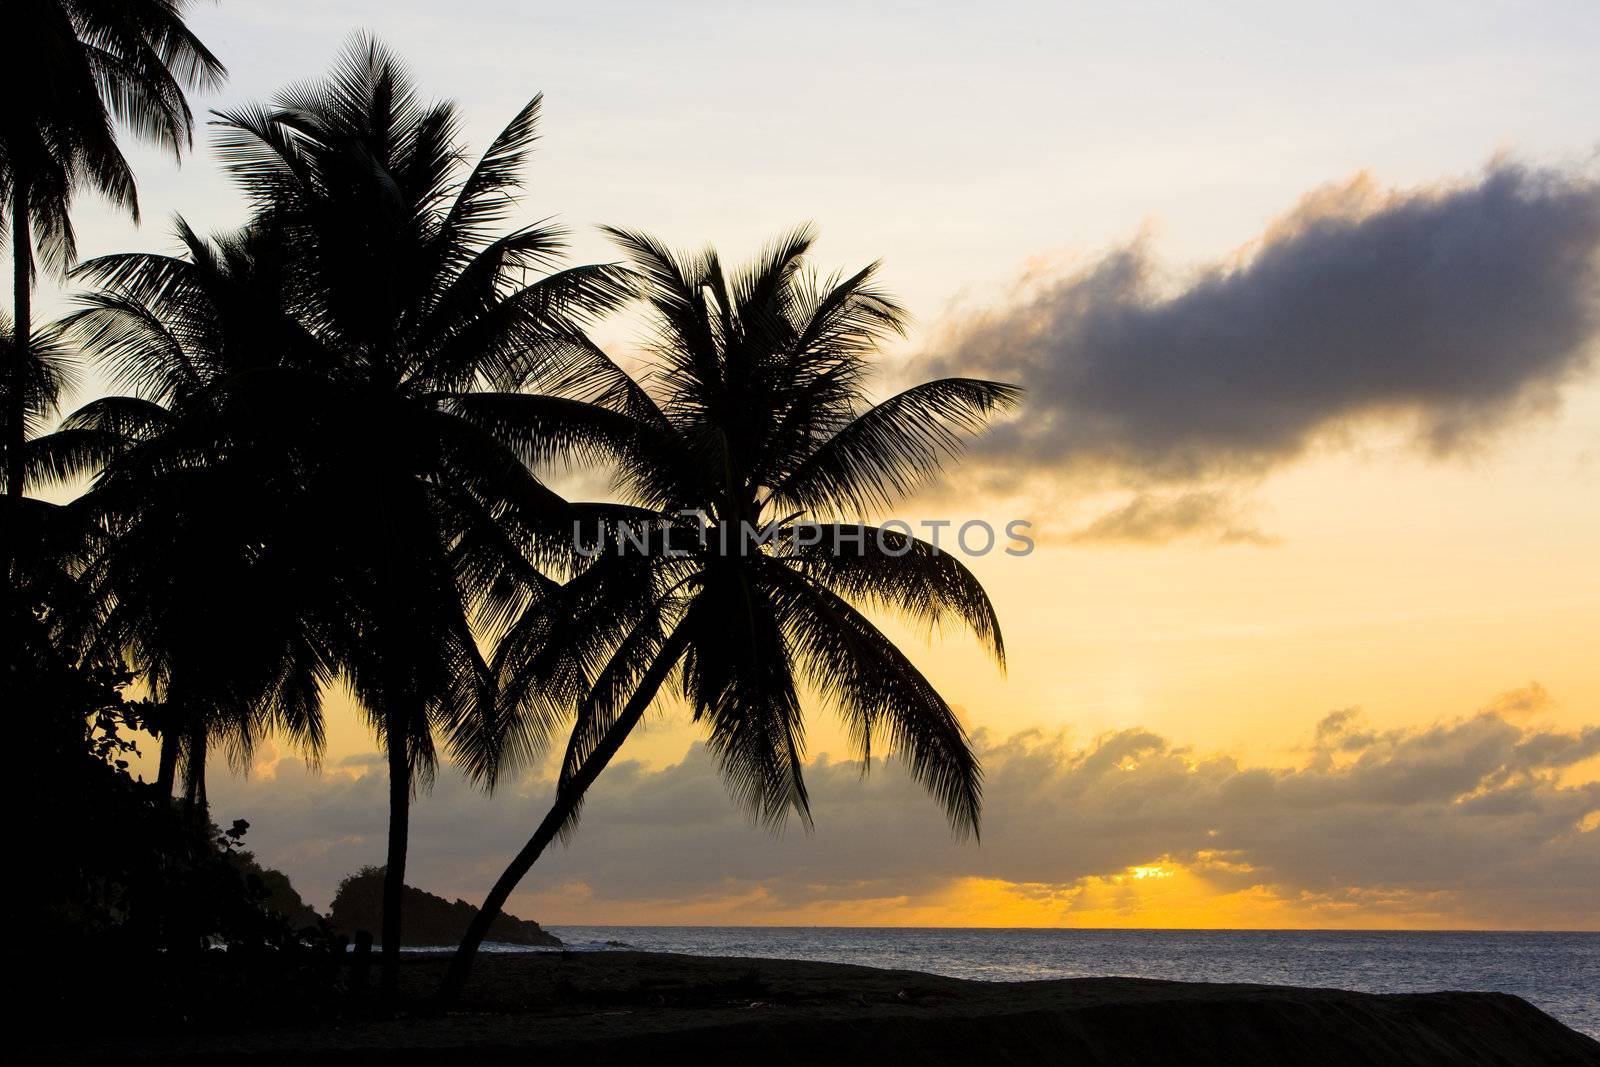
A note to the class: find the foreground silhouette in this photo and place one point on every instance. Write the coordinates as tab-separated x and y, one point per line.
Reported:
631	1008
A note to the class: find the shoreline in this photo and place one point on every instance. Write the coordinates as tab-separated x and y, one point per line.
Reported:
621	1006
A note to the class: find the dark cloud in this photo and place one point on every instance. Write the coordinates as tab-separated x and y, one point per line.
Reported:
1157	518
1471	811
1451	312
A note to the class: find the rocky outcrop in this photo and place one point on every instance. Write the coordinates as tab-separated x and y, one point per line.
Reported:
429	921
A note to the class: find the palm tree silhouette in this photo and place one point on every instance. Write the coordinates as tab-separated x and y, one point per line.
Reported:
752	413
356	391
183	501
69	72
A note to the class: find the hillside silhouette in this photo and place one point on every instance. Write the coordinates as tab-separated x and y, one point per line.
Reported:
431	921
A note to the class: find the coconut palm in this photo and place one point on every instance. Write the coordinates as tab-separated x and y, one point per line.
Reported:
70	72
203	587
398	527
752	418
180	508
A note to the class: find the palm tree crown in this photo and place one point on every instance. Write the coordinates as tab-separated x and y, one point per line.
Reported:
70	71
752	419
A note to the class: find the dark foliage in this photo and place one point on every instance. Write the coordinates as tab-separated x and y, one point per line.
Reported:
135	885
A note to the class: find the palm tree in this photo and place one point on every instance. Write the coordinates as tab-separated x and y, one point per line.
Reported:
355	397
215	625
173	329
752	416
70	71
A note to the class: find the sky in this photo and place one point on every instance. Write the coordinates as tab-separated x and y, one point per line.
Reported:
1304	297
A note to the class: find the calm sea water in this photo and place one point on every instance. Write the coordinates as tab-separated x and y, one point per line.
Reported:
1559	972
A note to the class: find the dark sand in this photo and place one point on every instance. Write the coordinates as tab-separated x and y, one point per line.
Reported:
635	1007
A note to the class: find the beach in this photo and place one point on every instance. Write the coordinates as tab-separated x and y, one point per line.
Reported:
629	1007
1556	972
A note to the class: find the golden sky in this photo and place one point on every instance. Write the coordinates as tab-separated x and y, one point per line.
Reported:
1334	575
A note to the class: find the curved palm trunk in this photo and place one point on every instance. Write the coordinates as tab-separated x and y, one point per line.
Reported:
194	778
22	309
566	802
394	874
167	769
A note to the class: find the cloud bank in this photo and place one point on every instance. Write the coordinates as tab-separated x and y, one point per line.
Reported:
1450	312
1477	820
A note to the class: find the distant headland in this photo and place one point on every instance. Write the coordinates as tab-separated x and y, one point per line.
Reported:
431	921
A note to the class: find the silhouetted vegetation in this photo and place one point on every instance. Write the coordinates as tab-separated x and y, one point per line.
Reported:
390	520
197	932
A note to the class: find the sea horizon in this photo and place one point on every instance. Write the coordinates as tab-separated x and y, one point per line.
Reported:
1096	929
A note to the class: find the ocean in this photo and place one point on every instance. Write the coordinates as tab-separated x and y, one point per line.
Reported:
1558	972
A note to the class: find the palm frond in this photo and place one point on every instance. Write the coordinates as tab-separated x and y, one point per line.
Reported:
490	191
894	447
738	679
890	569
67	456
857	668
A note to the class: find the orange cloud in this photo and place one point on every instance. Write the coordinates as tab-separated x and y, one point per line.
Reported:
1162	894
